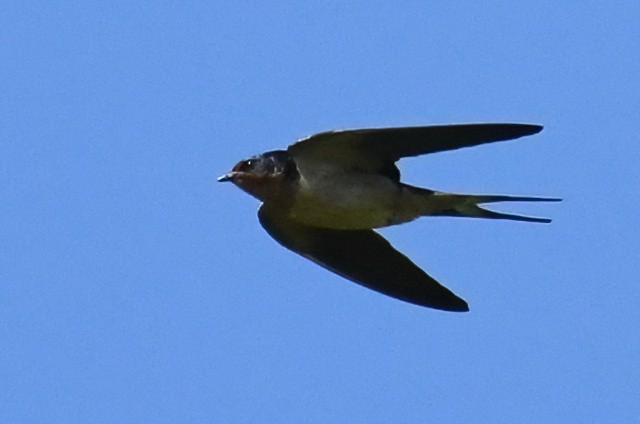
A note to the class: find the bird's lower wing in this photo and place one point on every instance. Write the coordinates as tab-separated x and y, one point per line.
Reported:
364	257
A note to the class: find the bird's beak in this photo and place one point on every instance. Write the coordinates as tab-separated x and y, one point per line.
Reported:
226	177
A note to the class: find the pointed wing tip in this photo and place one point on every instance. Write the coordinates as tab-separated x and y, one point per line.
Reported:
463	308
453	304
457	307
530	129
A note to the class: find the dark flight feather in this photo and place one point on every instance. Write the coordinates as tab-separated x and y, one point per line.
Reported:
364	257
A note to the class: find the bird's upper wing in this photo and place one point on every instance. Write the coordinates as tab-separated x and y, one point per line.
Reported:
377	149
364	257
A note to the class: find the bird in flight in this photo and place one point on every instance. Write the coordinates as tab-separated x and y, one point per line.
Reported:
324	195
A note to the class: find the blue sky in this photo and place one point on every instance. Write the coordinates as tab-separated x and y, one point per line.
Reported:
134	288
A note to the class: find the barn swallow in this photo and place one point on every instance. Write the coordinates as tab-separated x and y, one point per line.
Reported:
324	195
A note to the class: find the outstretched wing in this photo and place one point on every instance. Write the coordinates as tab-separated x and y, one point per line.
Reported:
377	149
364	257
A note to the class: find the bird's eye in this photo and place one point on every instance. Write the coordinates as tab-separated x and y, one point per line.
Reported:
246	165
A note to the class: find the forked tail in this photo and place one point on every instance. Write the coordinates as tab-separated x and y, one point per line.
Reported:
468	205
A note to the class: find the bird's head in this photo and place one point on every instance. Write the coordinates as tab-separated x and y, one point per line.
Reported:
265	176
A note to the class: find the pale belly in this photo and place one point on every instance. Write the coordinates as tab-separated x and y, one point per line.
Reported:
369	201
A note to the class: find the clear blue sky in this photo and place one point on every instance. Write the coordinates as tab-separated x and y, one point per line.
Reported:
134	288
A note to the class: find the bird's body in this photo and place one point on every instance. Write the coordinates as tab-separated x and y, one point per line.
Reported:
364	201
323	196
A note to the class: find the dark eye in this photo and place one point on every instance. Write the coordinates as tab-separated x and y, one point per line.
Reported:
246	165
